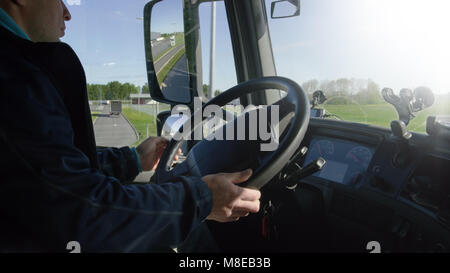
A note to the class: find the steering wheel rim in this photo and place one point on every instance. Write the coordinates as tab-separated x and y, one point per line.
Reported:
295	103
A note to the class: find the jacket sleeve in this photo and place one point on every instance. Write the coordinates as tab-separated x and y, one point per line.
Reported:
58	198
121	163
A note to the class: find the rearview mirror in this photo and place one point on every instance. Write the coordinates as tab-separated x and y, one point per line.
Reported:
285	9
167	69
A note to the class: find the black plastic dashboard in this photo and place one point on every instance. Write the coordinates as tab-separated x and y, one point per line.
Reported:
360	155
363	183
361	197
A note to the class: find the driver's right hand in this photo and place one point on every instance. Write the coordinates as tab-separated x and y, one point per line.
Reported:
230	202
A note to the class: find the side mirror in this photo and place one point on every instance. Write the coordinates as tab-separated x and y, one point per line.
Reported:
165	52
285	9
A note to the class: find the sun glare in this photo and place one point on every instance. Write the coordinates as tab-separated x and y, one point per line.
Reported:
414	33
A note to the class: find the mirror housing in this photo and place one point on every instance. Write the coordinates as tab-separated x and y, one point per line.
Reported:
290	8
154	87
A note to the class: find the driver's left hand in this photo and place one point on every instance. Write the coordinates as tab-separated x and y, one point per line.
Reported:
150	152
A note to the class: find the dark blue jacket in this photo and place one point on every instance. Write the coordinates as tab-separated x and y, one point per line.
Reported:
53	187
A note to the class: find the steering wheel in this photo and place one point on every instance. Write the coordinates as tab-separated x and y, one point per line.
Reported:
215	156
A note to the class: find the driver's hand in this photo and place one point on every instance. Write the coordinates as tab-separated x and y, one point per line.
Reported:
230	201
150	152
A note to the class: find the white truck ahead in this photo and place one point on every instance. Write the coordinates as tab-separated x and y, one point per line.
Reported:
116	107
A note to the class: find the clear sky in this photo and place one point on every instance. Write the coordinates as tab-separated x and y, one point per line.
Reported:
397	43
108	38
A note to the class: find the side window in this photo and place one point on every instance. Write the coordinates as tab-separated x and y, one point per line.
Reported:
224	70
108	37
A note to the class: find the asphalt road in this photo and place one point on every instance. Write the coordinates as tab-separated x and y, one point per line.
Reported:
176	83
113	131
161	62
160	46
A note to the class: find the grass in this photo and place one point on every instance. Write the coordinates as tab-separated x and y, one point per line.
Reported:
375	114
166	69
382	114
94	115
179	39
140	121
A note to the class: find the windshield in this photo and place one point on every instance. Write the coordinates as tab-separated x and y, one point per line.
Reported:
352	49
349	49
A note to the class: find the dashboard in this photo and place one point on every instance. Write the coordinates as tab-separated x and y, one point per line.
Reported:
346	161
364	156
401	184
360	195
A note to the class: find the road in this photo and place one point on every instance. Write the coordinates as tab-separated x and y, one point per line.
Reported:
113	131
160	46
176	83
161	62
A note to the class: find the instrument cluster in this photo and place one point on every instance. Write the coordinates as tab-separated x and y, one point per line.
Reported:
346	160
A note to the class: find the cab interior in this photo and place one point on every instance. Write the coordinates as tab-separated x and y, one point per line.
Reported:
381	189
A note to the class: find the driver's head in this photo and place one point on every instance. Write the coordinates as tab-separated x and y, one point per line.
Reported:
42	20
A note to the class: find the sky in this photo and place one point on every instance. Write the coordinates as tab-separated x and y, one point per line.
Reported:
398	44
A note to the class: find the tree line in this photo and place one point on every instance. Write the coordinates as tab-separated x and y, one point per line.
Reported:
114	91
121	91
346	91
340	91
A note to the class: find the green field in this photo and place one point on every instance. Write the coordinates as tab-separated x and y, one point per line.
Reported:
374	114
383	114
140	121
